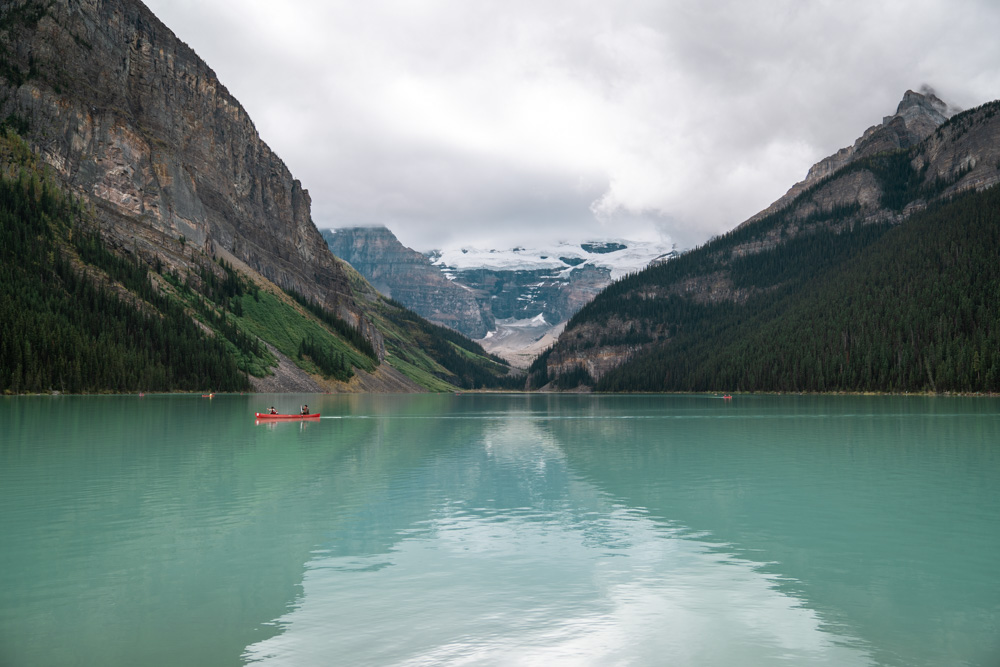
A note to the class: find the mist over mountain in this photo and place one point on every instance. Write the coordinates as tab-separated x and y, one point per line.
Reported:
799	267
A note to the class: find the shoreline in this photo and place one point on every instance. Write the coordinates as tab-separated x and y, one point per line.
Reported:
459	391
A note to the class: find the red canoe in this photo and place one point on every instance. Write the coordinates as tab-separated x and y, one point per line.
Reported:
265	415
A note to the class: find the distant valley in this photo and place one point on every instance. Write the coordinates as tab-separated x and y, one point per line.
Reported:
514	302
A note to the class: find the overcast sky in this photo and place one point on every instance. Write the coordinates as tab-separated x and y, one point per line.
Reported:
502	121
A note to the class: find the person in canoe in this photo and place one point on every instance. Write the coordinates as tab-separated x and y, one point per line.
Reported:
272	411
305	409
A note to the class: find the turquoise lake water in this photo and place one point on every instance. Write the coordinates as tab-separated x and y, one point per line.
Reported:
500	530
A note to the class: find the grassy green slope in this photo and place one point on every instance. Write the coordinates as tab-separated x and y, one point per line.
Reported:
436	356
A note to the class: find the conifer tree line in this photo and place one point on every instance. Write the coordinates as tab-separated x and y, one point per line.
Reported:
469	366
212	298
331	364
348	332
916	309
64	326
839	306
62	331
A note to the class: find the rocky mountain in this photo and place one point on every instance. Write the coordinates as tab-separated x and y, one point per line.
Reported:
910	163
128	119
410	278
531	291
129	115
917	116
513	301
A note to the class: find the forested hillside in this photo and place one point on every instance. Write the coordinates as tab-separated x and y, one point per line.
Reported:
64	328
917	310
417	346
79	316
186	257
881	276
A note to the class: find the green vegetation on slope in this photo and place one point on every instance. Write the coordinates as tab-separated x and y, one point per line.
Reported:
282	324
822	240
345	330
916	309
419	349
683	321
80	317
217	304
62	330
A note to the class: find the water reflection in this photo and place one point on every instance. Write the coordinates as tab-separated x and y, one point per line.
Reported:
879	512
402	530
517	560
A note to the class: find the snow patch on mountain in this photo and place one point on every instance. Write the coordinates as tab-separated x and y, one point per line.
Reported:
620	257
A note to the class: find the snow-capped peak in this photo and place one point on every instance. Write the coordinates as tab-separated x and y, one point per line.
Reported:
620	257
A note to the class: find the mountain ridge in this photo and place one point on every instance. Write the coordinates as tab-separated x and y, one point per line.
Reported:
513	302
409	277
765	255
917	116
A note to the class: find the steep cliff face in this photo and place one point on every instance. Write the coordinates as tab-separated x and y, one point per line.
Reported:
133	119
409	277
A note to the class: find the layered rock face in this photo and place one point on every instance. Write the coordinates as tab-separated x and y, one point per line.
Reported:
468	300
409	277
133	119
945	159
522	294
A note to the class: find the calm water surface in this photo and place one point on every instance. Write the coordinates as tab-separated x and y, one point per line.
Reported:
500	530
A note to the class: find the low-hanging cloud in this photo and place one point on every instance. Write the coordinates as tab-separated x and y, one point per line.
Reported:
457	122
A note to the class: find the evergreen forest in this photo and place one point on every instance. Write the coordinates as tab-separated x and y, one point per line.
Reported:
458	360
913	307
62	329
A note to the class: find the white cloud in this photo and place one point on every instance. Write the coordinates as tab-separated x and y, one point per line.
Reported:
455	121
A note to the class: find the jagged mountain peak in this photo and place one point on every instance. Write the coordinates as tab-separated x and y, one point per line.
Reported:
921	112
917	116
923	102
870	191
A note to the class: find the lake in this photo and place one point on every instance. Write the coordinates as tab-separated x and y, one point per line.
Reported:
500	530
